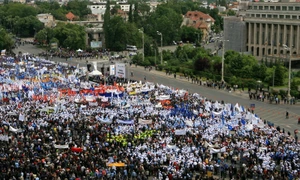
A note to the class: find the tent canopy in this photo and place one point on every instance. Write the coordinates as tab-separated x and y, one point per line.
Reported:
79	50
95	73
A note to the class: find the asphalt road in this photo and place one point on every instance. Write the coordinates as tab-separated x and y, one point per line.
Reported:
270	112
274	113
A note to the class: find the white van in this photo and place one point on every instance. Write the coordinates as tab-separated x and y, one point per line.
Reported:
131	48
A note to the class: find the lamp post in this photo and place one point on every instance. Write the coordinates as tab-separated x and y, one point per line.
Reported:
161	42
290	67
223	53
142	31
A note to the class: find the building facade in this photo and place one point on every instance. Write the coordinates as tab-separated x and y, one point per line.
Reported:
271	28
235	31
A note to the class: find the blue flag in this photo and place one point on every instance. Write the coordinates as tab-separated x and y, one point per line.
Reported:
243	121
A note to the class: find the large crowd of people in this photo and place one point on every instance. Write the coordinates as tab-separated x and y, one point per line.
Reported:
55	125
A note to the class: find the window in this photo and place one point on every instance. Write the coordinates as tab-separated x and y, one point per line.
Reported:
288	17
255	7
269	16
258	15
295	17
291	8
278	8
266	7
275	16
263	16
272	8
281	16
261	7
284	8
297	8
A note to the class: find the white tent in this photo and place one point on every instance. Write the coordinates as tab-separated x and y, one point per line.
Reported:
95	73
79	50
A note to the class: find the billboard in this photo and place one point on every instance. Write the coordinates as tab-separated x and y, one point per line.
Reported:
112	70
53	45
120	70
96	44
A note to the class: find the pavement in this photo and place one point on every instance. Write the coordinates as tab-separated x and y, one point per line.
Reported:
274	113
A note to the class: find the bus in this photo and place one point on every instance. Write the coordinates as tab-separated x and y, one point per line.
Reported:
131	48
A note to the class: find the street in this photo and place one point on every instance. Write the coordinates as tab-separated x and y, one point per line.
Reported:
274	113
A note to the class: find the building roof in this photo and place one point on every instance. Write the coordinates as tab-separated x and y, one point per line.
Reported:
197	15
70	16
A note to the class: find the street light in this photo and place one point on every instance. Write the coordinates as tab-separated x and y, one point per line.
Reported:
290	67
142	31
223	53
161	42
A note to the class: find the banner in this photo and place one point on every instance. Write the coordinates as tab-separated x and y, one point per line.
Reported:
143	121
4	137
189	123
125	122
93	104
12	129
96	44
180	132
163	97
105	121
21	117
212	150
120	70
112	70
66	146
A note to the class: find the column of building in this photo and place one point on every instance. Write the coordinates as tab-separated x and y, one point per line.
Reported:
260	40
298	40
291	45
249	37
254	40
267	40
278	40
272	39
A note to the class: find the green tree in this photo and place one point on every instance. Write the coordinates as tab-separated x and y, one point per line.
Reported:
27	26
165	20
106	24
190	34
280	72
70	36
231	12
6	41
78	8
130	14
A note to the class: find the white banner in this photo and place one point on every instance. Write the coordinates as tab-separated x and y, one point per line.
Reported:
180	132
93	104
163	97
4	137
120	70
12	129
212	150
143	121
112	70
21	117
189	123
66	146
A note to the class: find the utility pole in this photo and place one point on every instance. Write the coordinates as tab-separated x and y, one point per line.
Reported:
161	43
223	53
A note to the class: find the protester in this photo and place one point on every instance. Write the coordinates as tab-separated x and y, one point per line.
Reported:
55	125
